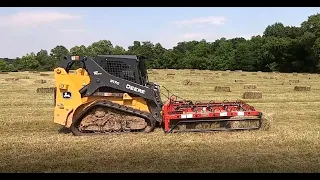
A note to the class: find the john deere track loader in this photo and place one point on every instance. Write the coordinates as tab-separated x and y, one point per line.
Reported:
111	93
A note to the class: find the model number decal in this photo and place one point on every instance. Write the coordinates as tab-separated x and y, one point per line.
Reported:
114	82
128	86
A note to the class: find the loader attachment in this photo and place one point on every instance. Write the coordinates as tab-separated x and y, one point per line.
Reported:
186	116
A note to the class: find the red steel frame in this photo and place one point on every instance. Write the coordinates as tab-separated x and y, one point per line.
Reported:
174	110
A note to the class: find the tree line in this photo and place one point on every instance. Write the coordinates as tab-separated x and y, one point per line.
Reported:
280	48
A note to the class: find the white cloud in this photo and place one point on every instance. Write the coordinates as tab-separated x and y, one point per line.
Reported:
214	20
35	18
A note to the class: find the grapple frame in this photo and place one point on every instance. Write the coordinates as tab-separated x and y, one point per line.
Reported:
183	112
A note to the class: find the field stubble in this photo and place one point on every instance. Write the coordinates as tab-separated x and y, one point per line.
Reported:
30	141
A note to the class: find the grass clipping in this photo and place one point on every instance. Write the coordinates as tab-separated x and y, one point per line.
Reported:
252	95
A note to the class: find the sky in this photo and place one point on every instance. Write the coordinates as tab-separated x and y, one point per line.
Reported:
25	30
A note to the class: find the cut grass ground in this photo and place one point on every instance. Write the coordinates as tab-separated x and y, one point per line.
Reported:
30	141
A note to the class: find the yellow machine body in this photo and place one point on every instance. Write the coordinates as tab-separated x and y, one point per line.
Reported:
66	109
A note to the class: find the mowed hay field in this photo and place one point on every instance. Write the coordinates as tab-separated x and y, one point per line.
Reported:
30	141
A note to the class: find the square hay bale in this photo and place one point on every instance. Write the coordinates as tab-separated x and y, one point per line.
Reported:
259	71
188	82
294	81
254	73
238	70
224	74
243	75
25	77
252	95
46	90
42	74
302	88
159	78
250	86
154	72
265	77
222	89
171	74
11	79
4	73
40	81
228	70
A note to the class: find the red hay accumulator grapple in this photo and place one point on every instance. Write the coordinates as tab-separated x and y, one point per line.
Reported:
186	116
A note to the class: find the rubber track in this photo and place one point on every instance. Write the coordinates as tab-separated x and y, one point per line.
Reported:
109	104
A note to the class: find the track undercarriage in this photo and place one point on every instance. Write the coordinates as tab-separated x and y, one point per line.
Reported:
107	117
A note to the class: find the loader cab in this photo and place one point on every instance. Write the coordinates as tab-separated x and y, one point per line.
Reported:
129	67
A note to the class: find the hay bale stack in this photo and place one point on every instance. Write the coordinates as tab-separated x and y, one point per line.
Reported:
11	79
222	89
302	88
46	90
41	81
294	81
250	86
238	80
252	95
42	74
